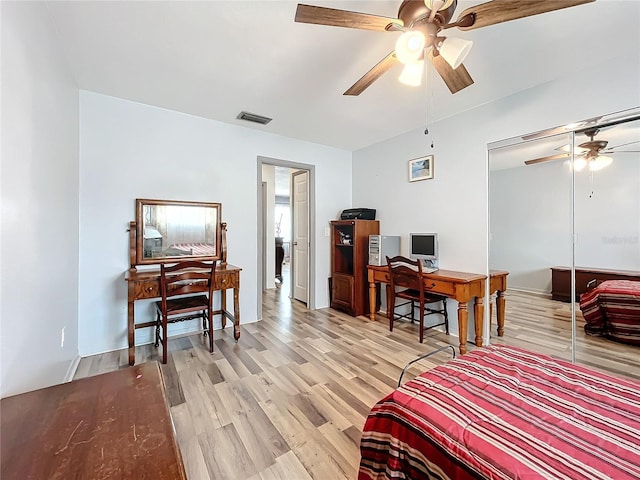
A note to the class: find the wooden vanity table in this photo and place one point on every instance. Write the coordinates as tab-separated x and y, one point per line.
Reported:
145	284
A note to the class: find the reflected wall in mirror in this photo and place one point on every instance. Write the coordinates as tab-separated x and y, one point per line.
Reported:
560	204
169	230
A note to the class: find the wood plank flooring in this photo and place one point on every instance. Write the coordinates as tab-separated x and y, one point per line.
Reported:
290	399
537	323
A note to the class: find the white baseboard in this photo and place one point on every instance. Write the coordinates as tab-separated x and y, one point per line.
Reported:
71	371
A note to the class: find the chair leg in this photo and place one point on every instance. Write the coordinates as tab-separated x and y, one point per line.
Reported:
157	329
413	309
421	322
446	316
204	323
210	320
391	308
164	339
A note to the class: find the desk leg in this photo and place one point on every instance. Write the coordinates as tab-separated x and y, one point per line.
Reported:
236	312
223	306
463	325
500	306
372	301
478	314
131	324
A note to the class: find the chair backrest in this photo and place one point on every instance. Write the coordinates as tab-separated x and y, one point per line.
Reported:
187	277
405	272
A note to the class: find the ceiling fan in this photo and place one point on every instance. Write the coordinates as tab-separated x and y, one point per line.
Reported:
422	23
593	153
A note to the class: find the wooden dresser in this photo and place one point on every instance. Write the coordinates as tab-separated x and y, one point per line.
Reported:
115	425
561	280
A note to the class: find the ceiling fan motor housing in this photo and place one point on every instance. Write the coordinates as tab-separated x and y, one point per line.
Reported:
415	14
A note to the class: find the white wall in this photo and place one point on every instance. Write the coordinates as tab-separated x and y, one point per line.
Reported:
454	203
531	220
39	191
129	150
530	223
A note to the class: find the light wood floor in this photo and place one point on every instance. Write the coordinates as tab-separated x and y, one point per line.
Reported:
543	325
290	399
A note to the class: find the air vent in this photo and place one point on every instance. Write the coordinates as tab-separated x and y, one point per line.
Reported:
252	117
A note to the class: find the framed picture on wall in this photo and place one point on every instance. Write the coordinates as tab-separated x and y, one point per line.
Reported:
421	168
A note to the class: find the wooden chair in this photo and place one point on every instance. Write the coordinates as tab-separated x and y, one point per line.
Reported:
184	278
406	274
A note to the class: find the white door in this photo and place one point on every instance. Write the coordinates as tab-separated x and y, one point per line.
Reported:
300	247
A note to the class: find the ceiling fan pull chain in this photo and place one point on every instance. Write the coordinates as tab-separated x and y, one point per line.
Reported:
591	184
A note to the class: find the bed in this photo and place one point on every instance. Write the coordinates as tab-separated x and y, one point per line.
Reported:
202	249
501	412
612	309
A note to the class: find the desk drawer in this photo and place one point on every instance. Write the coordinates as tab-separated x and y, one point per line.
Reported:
222	282
437	286
150	289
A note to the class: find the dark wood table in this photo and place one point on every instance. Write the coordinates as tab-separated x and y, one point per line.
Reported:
115	425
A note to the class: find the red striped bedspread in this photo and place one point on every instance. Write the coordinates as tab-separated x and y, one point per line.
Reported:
196	248
501	412
612	309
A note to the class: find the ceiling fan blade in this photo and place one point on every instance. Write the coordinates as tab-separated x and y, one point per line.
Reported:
611	149
547	159
499	11
456	79
342	18
372	75
564	129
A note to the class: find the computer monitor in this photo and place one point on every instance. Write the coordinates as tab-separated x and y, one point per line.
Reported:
424	246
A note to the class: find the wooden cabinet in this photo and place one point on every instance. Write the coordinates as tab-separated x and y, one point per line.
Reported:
349	257
114	425
561	280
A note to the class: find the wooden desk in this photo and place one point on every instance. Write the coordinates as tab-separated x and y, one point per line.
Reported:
115	425
146	285
460	286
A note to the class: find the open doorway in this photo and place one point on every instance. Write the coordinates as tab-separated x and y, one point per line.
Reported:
286	256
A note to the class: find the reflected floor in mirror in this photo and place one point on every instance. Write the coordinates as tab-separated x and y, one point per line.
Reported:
537	323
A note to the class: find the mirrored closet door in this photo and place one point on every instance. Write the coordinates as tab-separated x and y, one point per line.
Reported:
564	217
530	218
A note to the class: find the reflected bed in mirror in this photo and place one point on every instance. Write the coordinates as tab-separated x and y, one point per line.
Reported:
168	230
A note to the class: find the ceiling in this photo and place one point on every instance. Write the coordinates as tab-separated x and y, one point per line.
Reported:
216	58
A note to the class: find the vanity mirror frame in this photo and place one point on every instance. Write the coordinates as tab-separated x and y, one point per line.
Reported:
137	238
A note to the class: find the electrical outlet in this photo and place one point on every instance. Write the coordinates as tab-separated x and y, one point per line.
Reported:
62	337
327	231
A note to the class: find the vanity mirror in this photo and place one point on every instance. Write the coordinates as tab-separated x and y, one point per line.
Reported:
169	231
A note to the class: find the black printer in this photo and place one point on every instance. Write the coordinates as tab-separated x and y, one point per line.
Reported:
358	214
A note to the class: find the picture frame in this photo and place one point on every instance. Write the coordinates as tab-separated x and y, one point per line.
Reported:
421	168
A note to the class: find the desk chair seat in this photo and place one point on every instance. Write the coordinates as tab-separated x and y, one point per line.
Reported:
406	282
176	281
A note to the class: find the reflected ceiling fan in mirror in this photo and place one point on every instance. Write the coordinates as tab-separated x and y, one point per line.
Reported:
593	153
422	23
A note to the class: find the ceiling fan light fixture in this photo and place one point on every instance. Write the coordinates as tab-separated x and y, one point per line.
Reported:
410	46
412	74
454	50
600	162
579	163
